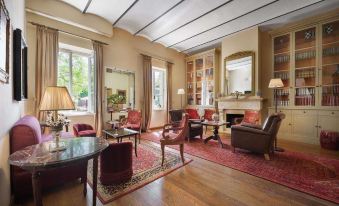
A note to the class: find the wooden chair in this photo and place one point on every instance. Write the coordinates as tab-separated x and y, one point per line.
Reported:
174	136
133	121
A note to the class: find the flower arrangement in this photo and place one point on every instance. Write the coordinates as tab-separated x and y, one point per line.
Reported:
56	123
116	99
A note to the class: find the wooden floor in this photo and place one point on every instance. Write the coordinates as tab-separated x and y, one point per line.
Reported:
201	183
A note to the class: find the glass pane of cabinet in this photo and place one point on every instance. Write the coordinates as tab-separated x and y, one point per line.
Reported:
208	93
330	64
190	81
282	67
305	67
199	64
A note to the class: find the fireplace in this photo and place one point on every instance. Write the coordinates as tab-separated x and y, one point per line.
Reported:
231	118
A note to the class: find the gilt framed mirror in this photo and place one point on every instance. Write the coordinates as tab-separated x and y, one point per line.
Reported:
239	73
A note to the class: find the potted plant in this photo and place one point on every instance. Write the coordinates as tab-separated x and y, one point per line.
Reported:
117	101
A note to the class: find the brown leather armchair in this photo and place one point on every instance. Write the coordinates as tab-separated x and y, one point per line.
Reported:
255	138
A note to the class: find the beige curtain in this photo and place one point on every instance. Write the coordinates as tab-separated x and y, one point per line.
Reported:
99	79
169	88
46	63
147	96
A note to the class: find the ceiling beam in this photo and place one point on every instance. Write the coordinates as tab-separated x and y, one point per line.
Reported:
158	17
123	14
252	26
238	17
86	7
156	39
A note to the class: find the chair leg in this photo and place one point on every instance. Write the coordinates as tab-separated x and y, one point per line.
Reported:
233	149
139	138
267	156
163	154
182	153
205	129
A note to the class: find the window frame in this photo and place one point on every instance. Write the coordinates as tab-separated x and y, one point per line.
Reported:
164	89
91	66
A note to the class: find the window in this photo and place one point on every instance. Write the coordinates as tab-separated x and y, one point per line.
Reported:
76	72
159	88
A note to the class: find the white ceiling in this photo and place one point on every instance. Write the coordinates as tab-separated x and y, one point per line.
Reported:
191	25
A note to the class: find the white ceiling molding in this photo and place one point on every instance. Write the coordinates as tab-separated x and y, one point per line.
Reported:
191	25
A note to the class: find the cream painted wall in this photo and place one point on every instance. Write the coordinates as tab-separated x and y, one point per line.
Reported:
10	110
247	40
123	51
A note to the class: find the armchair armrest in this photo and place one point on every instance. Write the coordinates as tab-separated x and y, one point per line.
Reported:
255	126
249	130
169	127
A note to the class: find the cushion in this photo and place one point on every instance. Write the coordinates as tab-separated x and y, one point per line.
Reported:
192	114
131	126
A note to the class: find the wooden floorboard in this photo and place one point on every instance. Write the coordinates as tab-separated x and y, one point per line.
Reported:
201	182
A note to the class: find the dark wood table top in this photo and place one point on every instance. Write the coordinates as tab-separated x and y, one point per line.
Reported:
38	157
118	133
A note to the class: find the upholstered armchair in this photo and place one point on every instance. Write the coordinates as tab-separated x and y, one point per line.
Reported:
133	121
83	130
255	138
194	124
116	163
175	116
208	116
174	136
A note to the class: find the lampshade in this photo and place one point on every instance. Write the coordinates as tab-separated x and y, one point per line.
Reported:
181	91
56	98
276	83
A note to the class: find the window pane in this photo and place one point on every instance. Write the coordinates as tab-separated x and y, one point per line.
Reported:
159	85
80	81
64	69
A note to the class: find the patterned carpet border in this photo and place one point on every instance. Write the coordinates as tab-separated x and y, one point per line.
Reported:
172	163
286	184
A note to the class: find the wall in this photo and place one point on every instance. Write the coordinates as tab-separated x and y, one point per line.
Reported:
123	51
247	40
10	111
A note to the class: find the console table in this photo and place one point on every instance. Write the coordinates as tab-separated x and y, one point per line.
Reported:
38	158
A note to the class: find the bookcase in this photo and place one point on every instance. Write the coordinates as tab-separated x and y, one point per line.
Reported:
306	58
202	78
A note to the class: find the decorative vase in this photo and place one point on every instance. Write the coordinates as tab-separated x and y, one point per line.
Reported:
57	145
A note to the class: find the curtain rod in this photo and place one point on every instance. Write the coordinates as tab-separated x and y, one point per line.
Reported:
66	32
155	57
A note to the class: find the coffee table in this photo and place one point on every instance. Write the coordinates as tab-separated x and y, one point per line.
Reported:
37	158
121	133
215	136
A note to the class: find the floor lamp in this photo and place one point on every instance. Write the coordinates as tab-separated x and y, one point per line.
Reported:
275	84
181	92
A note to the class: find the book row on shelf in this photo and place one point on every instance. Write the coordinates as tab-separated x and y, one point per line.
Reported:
331	51
305	73
281	59
283	103
282	75
282	92
330	100
305	100
305	55
331	90
209	72
305	91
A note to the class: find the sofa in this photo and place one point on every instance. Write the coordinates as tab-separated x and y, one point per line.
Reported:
25	132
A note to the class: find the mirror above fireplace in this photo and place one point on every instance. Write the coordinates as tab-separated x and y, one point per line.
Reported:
239	73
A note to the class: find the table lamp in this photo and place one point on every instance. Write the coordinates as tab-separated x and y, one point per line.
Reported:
55	99
181	92
274	84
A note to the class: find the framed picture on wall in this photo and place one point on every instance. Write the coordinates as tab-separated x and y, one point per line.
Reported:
4	42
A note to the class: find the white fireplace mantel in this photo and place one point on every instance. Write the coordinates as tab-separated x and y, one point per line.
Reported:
242	103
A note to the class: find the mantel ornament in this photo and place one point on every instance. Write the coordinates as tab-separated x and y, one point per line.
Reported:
237	94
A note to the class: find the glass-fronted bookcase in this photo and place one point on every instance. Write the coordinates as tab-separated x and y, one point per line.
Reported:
201	78
307	61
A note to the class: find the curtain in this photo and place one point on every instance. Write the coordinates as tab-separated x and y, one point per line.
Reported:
99	79
169	89
46	63
147	95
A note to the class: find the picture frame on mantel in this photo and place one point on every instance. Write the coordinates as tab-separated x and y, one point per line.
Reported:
5	31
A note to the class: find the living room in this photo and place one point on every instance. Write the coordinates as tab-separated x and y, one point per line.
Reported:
169	102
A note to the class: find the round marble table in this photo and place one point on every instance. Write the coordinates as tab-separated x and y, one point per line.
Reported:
37	158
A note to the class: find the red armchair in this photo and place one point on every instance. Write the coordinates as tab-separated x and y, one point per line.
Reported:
133	121
84	130
27	132
208	116
116	163
174	136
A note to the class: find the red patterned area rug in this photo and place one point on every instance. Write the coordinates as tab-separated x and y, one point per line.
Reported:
313	175
146	168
